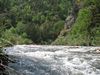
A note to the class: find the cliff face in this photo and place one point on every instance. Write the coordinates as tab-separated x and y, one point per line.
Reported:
70	20
82	26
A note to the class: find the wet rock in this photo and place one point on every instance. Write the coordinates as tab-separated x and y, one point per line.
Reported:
97	50
96	64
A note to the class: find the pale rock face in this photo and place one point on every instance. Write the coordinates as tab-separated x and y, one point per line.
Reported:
69	21
72	15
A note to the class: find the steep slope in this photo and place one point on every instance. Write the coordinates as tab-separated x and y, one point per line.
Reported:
86	28
95	31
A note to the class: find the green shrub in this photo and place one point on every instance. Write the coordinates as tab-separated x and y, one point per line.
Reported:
59	41
11	37
79	34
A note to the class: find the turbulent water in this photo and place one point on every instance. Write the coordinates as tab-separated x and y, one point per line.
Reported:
54	60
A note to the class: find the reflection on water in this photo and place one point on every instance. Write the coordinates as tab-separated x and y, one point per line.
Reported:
54	60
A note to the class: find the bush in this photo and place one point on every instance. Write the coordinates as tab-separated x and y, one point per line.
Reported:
11	37
80	34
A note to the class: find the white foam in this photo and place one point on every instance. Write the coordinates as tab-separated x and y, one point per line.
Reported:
59	56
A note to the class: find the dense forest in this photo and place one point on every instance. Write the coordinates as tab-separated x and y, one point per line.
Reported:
58	22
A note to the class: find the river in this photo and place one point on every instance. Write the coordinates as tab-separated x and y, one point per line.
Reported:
53	60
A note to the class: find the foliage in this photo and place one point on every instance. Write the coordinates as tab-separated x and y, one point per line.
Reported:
40	20
12	37
92	2
60	41
79	34
86	29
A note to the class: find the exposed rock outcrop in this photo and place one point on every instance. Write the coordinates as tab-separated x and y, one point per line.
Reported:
70	20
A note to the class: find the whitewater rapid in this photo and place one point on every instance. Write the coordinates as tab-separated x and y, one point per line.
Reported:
54	60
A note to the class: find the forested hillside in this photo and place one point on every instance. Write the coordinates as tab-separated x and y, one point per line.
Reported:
64	22
32	21
85	29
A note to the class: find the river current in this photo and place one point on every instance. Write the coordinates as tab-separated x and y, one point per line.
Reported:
53	60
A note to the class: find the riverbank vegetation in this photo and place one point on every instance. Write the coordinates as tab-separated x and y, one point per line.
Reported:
32	21
85	30
43	22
